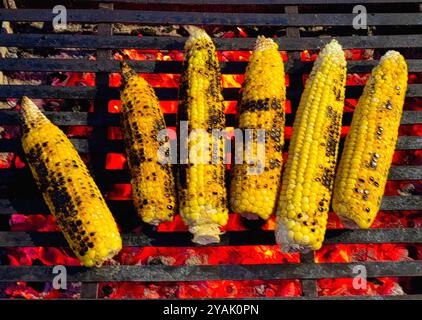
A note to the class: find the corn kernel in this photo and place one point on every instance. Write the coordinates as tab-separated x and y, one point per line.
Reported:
370	144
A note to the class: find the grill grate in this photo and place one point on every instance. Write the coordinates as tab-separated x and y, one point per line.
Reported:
104	41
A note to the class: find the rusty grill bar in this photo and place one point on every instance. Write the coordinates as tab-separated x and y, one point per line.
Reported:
104	41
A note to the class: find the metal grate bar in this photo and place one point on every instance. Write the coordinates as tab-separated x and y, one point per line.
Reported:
160	239
309	286
169	94
65	118
36	205
209	18
254	2
173	67
89	290
409	143
177	43
396	173
157	273
230	238
116	146
8	177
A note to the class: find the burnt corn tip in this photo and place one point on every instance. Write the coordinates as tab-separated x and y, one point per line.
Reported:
127	71
26	106
196	34
195	31
26	101
30	114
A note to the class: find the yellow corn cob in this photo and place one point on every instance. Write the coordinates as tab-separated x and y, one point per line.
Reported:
261	107
307	182
68	189
202	185
369	147
153	185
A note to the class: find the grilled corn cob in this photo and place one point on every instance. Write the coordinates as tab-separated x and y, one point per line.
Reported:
153	185
68	189
261	107
307	182
369	147
202	182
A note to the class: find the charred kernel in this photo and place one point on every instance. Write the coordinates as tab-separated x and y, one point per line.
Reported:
51	177
142	119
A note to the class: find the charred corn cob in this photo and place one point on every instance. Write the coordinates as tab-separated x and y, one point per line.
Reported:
369	147
153	184
307	182
68	189
202	181
261	107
